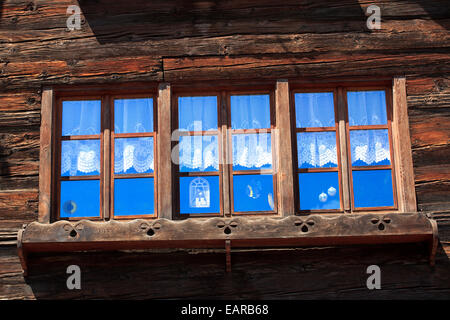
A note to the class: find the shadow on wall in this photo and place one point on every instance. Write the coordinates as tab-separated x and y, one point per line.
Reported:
325	273
140	20
4	168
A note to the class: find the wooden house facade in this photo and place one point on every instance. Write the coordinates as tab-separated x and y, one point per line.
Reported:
164	51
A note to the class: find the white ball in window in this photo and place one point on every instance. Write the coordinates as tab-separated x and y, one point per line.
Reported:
323	197
331	191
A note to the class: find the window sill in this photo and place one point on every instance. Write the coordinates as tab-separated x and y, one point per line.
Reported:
292	231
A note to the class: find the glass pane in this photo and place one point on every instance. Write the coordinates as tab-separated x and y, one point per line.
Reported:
314	109
370	147
373	188
199	195
198	153
366	108
133	155
252	151
319	190
80	157
253	193
133	196
80	199
317	149
133	115
197	113
81	117
250	112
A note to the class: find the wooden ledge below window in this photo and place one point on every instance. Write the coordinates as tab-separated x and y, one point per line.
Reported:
244	232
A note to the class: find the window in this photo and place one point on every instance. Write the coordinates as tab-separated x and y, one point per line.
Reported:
205	168
366	145
105	156
133	142
228	156
283	149
81	153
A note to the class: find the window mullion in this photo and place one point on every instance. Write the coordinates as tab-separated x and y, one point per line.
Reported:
343	148
283	152
225	155
106	165
163	149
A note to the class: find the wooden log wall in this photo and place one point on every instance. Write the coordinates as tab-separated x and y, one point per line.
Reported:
181	40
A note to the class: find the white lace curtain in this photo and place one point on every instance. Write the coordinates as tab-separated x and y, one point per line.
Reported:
134	153
133	115
366	108
370	146
250	111
81	117
249	151
316	149
80	157
252	150
314	109
199	153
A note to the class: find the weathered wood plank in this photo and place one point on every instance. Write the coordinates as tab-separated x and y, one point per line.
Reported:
268	274
45	157
164	152
283	136
402	147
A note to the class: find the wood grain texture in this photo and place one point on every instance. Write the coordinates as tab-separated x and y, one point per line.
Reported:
402	148
45	156
122	42
164	152
283	134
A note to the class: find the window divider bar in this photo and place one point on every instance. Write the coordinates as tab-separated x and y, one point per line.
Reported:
106	132
45	154
343	149
164	152
283	139
225	155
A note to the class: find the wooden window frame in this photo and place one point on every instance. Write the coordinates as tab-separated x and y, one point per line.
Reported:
224	134
335	129
387	126
114	135
219	173
49	172
60	138
350	227
284	140
399	142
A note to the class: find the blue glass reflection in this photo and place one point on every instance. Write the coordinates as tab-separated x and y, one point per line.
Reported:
314	109
317	149
80	199
81	117
366	107
133	196
252	151
370	147
133	115
197	113
250	111
253	193
199	195
319	190
198	153
372	188
133	155
80	157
